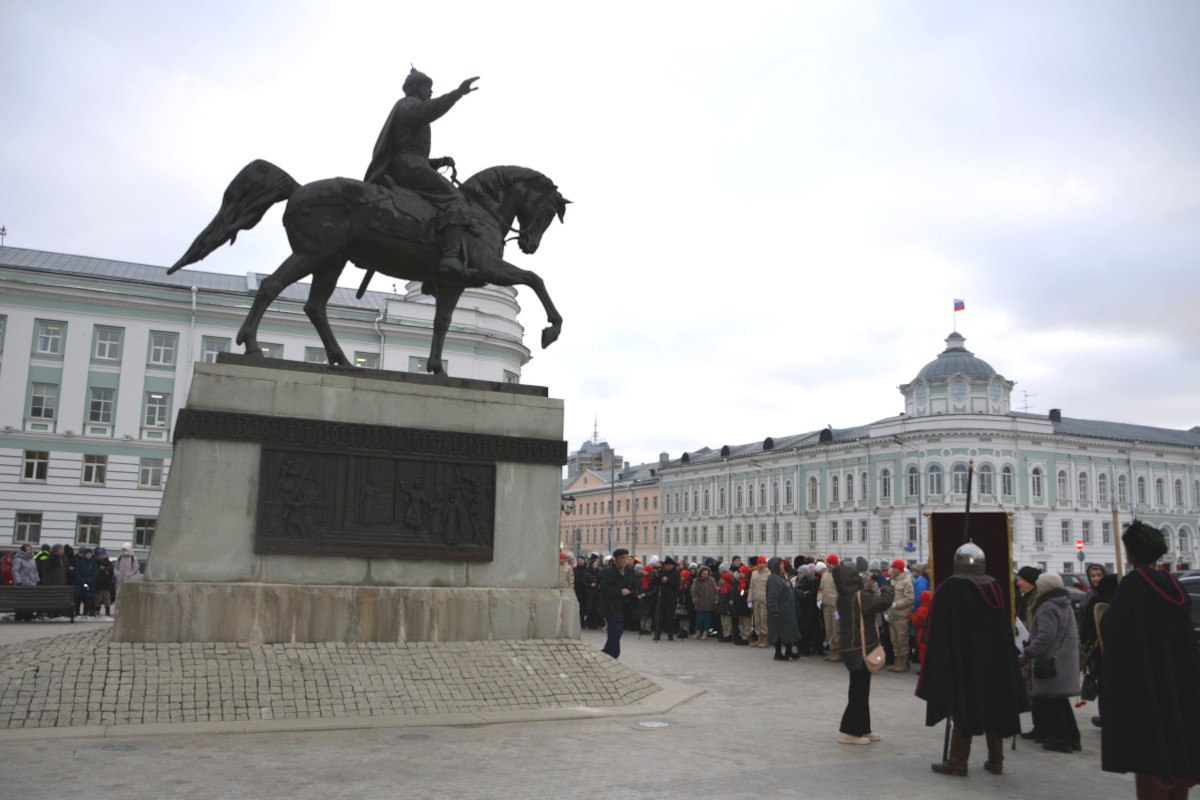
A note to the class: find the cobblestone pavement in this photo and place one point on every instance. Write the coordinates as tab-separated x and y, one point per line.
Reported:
85	679
762	729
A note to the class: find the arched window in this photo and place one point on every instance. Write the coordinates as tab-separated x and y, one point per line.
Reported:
1006	481
1141	490
738	502
849	487
1083	487
1159	492
1035	483
721	497
762	494
1102	487
695	500
812	490
1195	493
885	483
834	493
1178	492
914	482
959	475
686	502
677	502
987	481
862	481
1122	489
788	499
1062	485
1185	541
935	480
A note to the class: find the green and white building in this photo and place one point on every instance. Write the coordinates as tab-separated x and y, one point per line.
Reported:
868	490
96	358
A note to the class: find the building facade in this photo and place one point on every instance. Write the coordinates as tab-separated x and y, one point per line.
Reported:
870	490
96	358
603	511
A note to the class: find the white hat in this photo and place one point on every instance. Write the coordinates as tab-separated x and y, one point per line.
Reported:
819	566
127	545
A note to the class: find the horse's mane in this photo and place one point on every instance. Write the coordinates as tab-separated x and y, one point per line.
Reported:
486	185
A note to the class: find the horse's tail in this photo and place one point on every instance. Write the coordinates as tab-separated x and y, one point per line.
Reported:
256	188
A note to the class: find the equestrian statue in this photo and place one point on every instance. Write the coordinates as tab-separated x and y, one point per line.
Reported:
405	220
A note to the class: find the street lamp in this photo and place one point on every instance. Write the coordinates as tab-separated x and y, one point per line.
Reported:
567	508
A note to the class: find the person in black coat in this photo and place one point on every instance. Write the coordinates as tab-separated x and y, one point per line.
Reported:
807	614
1150	692
616	585
666	585
970	671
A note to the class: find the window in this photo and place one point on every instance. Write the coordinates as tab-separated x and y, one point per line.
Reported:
1178	493
686	502
849	487
1066	531
885	532
706	501
1006	481
1105	533
108	344
862	480
100	405
721	498
987	481
862	530
762	533
655	502
371	361
914	482
28	529
912	529
1195	493
885	484
1160	494
1062	485
704	535
812	491
271	350
1083	487
317	355
50	338
1086	531
833	531
834	491
95	469
935	480
762	494
1039	531
157	404
212	346
1035	483
36	464
87	530
1122	489
143	531
958	479
1141	490
415	363
787	533
788	498
737	534
43	398
150	473
1067	566
812	533
162	348
738	504
720	534
1102	488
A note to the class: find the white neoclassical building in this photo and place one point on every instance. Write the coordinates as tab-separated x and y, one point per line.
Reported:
868	490
96	358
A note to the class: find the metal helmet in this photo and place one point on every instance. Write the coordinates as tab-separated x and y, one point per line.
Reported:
416	77
969	560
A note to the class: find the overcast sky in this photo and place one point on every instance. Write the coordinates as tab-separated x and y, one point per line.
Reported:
773	209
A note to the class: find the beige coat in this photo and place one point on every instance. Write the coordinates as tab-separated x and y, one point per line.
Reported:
758	587
903	586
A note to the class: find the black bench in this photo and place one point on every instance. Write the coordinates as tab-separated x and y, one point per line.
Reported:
48	599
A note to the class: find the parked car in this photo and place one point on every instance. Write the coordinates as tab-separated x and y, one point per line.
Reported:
1191	585
1078	580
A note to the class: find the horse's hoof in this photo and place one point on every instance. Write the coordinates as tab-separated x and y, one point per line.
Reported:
549	336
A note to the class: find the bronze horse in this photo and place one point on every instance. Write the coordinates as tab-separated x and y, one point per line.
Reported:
332	221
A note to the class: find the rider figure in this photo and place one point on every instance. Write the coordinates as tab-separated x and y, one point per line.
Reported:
401	161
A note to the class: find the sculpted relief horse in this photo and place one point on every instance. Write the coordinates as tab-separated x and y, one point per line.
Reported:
332	221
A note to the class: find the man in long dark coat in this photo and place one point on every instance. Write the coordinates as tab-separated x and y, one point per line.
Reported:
970	673
1150	693
616	584
666	581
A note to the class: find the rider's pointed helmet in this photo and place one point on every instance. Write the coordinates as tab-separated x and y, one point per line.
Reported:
969	560
416	77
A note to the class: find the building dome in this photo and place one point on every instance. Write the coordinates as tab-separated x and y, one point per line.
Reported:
956	360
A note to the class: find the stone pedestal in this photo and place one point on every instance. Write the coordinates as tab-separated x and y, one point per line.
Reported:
310	503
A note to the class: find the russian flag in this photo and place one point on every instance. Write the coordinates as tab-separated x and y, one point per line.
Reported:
959	305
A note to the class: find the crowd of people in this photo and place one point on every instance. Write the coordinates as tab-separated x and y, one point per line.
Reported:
1130	644
96	578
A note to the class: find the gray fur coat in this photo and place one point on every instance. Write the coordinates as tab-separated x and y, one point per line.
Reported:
1054	635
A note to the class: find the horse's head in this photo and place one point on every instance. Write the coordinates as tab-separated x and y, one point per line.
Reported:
540	204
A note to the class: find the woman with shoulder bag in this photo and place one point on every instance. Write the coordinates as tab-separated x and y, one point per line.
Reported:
1052	656
858	605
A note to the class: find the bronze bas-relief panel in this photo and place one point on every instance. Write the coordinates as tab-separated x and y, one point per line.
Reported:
348	503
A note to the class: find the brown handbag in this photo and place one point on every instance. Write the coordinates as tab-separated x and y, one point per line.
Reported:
875	659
